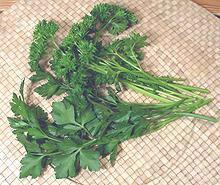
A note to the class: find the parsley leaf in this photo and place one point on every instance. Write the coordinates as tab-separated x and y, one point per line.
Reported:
89	159
62	64
49	146
19	107
63	113
43	32
40	75
31	165
65	165
17	123
30	145
36	133
49	89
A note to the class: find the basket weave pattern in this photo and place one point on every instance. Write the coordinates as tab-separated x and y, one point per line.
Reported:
184	41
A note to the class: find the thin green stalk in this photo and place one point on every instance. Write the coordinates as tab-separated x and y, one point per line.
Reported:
175	93
129	63
204	117
46	154
89	143
146	93
188	111
160	92
191	88
163	84
170	78
85	129
48	137
159	82
186	91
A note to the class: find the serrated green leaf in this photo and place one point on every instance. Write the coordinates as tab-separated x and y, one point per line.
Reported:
63	113
31	166
49	89
43	32
65	165
17	123
19	107
30	145
108	148
86	115
68	146
63	64
39	113
89	159
40	75
86	50
114	19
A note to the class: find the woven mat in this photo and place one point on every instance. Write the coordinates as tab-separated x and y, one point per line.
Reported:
184	41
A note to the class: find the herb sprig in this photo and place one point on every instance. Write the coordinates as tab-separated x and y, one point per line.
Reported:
89	124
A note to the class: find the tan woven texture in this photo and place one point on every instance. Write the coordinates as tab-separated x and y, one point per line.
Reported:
184	41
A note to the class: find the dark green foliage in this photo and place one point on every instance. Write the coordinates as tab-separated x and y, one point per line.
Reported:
62	64
31	166
50	88
65	165
91	121
42	33
89	159
113	18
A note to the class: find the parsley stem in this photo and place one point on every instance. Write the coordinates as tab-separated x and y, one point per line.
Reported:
55	153
146	93
187	112
191	88
125	60
46	154
197	116
156	81
85	129
48	137
178	87
89	143
158	91
186	91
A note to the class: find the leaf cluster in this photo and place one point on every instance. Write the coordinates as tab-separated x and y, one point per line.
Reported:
91	121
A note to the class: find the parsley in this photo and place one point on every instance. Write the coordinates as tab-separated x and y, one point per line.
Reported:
31	165
88	123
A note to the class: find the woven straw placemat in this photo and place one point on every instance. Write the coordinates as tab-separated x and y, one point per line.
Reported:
184	40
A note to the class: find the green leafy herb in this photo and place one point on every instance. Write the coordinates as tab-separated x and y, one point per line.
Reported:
31	165
89	159
65	165
91	121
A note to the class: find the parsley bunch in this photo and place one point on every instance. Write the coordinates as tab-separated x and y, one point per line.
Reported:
89	124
